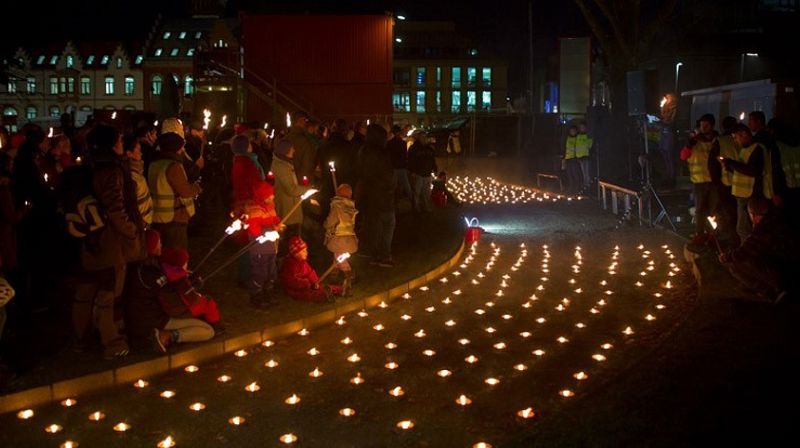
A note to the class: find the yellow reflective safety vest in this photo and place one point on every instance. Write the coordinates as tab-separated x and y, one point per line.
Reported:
790	161
698	162
165	201
571	147
730	150
583	144
743	184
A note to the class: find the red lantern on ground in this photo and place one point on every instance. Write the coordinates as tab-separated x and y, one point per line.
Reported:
473	232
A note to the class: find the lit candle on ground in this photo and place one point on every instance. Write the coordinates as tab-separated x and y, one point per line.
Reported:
463	341
562	340
405	424
383	304
96	416
268	344
169	442
347	412
69	402
378	327
428	352
520	367
240	353
236	421
420	334
140	384
121	427
69	444
397	391
357	380
390	346
541	320
391	365
598	357
167	394
192	369
463	400
316	373
450	323
650	317
25	414
271	364
52	429
288	439
354	358
500	346
252	387
303	332
340	321
197	407
405	317
538	352
444	373
566	393
471	359
627	331
606	346
346	341
526	413
580	376
294	399
313	351
492	381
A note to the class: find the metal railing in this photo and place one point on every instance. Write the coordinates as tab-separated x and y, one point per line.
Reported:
540	176
613	192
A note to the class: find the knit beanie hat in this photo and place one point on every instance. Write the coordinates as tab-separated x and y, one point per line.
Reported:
263	191
283	147
153	239
296	245
239	144
172	125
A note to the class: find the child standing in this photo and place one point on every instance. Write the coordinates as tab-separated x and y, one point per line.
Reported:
340	234
299	278
263	268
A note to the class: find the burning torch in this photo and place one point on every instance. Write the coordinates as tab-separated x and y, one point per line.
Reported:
305	196
235	226
713	222
339	260
288	120
332	166
206	119
270	235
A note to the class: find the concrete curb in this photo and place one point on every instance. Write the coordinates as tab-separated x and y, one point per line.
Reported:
128	374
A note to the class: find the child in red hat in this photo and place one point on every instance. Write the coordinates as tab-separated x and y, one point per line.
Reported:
261	218
174	262
299	278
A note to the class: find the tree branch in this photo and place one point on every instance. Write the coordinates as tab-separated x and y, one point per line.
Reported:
599	31
657	24
613	20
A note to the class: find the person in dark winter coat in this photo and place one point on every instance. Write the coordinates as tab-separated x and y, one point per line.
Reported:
768	260
378	202
398	151
342	153
422	164
305	153
146	319
107	250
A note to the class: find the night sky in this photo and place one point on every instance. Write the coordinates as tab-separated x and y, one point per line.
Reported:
502	30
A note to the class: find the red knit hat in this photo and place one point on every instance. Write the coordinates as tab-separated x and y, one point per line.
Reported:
153	239
263	191
174	256
296	245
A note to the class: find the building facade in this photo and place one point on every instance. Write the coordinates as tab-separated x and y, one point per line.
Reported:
439	74
75	79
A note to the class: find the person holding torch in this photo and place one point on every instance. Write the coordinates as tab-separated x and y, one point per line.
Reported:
288	191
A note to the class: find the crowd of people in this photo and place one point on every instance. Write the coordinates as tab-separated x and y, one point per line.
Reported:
746	182
104	211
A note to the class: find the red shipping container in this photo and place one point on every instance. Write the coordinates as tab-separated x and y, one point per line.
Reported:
333	65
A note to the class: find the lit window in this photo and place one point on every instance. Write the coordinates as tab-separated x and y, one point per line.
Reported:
472	76
62	85
40	60
174	52
12	86
109	85
86	108
182	35
420	76
104	60
156	85
86	85
158	52
90	60
486	100
401	102
167	34
10	112
438	76
55	111
119	62
421	101
129	108
53	60
130	85
220	44
139	59
31	85
471	99
70	85
438	101
486	76
31	112
455	105
109	107
70	61
455	78
190	52
188	85
53	85
198	35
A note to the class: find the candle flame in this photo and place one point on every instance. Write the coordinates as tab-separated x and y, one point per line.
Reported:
169	442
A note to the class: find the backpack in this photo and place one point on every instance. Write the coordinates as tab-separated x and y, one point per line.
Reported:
81	209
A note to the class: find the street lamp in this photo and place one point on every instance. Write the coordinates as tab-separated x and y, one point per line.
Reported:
677	75
741	68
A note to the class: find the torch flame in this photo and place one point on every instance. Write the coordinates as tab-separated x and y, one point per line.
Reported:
50	134
741	116
663	102
713	221
410	131
234	227
114	115
332	165
341	258
206	119
268	236
272	134
224	121
308	194
288	120
266	125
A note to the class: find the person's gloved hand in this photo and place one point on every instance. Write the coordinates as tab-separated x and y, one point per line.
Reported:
686	152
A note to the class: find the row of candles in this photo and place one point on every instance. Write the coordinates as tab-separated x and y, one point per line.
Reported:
490	191
398	391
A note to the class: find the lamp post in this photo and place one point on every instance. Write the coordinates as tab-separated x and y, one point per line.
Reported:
677	75
741	67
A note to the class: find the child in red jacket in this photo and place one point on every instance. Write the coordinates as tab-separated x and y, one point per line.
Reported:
174	262
261	218
299	278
